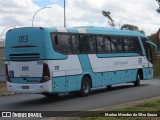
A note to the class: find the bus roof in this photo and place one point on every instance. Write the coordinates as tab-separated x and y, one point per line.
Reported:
91	30
103	30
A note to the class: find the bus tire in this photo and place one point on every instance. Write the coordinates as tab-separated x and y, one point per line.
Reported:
109	87
137	82
85	86
75	93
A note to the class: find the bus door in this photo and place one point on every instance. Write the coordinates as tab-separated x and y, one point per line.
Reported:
148	45
152	50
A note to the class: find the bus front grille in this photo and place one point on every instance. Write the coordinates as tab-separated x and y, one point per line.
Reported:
24	56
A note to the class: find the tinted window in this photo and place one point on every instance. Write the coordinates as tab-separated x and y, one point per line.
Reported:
137	46
144	44
100	44
128	44
84	44
147	48
92	44
89	44
107	44
75	44
120	44
61	42
114	44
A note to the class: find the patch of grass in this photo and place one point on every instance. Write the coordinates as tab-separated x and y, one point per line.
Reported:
121	118
152	104
149	106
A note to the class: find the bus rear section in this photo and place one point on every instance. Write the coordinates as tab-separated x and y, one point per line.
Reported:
26	70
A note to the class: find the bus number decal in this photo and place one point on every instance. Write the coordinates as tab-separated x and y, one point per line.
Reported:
56	67
25	68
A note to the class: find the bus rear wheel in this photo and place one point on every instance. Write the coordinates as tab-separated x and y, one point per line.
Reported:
137	82
85	86
109	87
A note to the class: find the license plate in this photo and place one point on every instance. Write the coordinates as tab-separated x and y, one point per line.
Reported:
25	87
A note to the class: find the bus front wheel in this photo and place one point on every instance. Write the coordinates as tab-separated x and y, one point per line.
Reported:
85	86
137	82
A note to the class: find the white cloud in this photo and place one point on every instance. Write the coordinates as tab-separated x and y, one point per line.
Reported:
16	13
138	12
81	13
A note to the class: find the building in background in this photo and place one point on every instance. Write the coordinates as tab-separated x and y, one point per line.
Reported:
2	50
2	58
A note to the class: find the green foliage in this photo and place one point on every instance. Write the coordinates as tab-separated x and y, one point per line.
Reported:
158	10
107	14
154	38
150	106
132	27
156	59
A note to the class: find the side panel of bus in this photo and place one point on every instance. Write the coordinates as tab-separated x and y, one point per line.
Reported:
65	74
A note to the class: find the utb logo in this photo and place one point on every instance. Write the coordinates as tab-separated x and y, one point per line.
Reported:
23	39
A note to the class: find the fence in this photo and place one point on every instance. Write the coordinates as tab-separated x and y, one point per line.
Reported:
2	71
2	64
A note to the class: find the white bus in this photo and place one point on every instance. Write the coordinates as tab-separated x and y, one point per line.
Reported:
51	61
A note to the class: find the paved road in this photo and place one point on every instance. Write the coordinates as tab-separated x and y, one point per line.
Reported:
98	98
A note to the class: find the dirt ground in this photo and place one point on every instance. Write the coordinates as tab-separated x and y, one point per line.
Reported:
3	86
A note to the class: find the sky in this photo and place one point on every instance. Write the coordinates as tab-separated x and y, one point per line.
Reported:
19	13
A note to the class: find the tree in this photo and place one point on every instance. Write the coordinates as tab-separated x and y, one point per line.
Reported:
107	14
154	37
158	10
132	27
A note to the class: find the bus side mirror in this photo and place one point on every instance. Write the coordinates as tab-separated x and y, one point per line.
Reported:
153	45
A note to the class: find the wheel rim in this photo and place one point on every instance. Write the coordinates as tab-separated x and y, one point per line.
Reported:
86	87
138	78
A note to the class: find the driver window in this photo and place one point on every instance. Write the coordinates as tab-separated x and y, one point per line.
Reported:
147	49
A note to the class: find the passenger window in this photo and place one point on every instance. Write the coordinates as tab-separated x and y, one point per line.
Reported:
84	44
92	44
120	44
100	44
137	46
129	44
67	43
114	44
75	44
107	43
61	42
126	44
